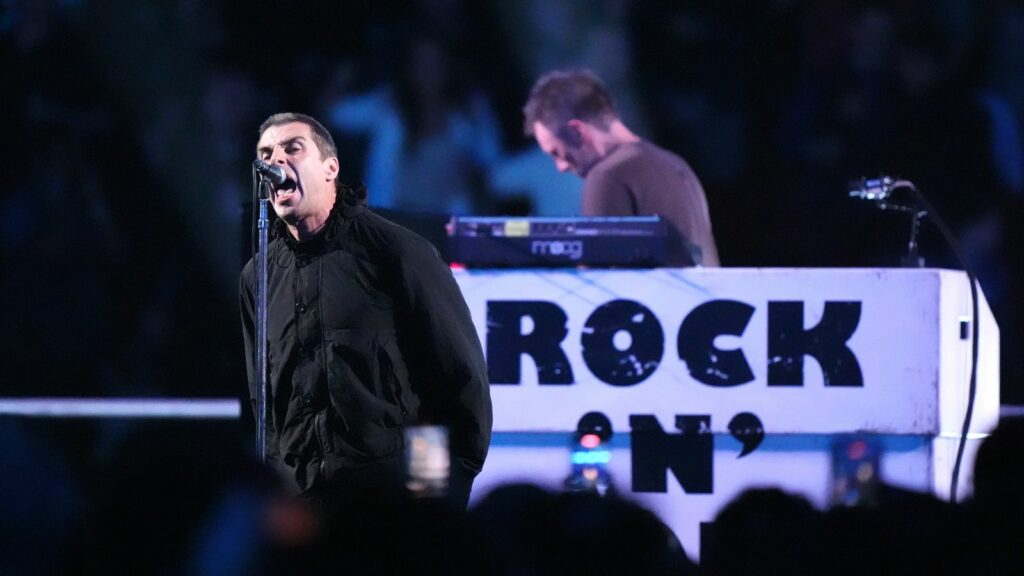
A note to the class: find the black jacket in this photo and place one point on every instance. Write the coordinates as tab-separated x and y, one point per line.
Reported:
367	333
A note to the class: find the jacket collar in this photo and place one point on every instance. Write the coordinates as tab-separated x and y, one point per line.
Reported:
349	203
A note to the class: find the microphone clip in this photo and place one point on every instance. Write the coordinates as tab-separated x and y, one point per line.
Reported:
270	172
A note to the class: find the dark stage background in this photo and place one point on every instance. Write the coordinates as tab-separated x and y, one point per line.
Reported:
129	127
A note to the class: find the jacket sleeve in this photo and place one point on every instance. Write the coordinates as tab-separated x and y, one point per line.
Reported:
247	303
446	361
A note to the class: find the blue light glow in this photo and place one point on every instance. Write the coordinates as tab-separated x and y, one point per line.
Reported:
592	457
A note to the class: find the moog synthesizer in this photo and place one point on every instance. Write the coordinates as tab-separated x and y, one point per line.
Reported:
626	241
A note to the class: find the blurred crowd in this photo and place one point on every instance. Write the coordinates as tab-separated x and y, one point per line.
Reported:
188	507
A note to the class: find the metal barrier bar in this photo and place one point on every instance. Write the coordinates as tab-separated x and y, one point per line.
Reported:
185	408
1011	410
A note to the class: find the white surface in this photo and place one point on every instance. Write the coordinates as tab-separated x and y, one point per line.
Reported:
914	364
907	344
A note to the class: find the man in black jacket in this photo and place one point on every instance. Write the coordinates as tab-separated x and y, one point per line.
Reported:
367	333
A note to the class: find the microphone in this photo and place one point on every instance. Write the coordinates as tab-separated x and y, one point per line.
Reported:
271	172
876	189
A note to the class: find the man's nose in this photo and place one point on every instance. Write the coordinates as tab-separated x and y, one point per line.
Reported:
277	156
562	165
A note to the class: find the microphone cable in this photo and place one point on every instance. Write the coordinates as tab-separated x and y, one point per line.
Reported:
879	191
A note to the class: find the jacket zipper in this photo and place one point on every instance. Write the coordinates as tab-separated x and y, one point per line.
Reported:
389	373
317	423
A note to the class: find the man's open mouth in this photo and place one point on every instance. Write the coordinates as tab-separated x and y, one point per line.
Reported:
285	190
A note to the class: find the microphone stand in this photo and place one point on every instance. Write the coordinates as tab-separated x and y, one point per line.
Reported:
911	259
880	191
262	225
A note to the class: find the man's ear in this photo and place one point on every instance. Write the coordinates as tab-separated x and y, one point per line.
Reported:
575	133
331	168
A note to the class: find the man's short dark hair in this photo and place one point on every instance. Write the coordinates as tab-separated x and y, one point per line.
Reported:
563	95
321	136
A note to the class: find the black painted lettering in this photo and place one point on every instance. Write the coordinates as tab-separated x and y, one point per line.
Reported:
688	455
639	359
506	341
789	342
706	363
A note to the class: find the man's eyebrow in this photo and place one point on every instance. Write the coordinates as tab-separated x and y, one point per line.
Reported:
270	147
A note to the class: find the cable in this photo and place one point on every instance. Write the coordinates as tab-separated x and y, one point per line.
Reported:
947	234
